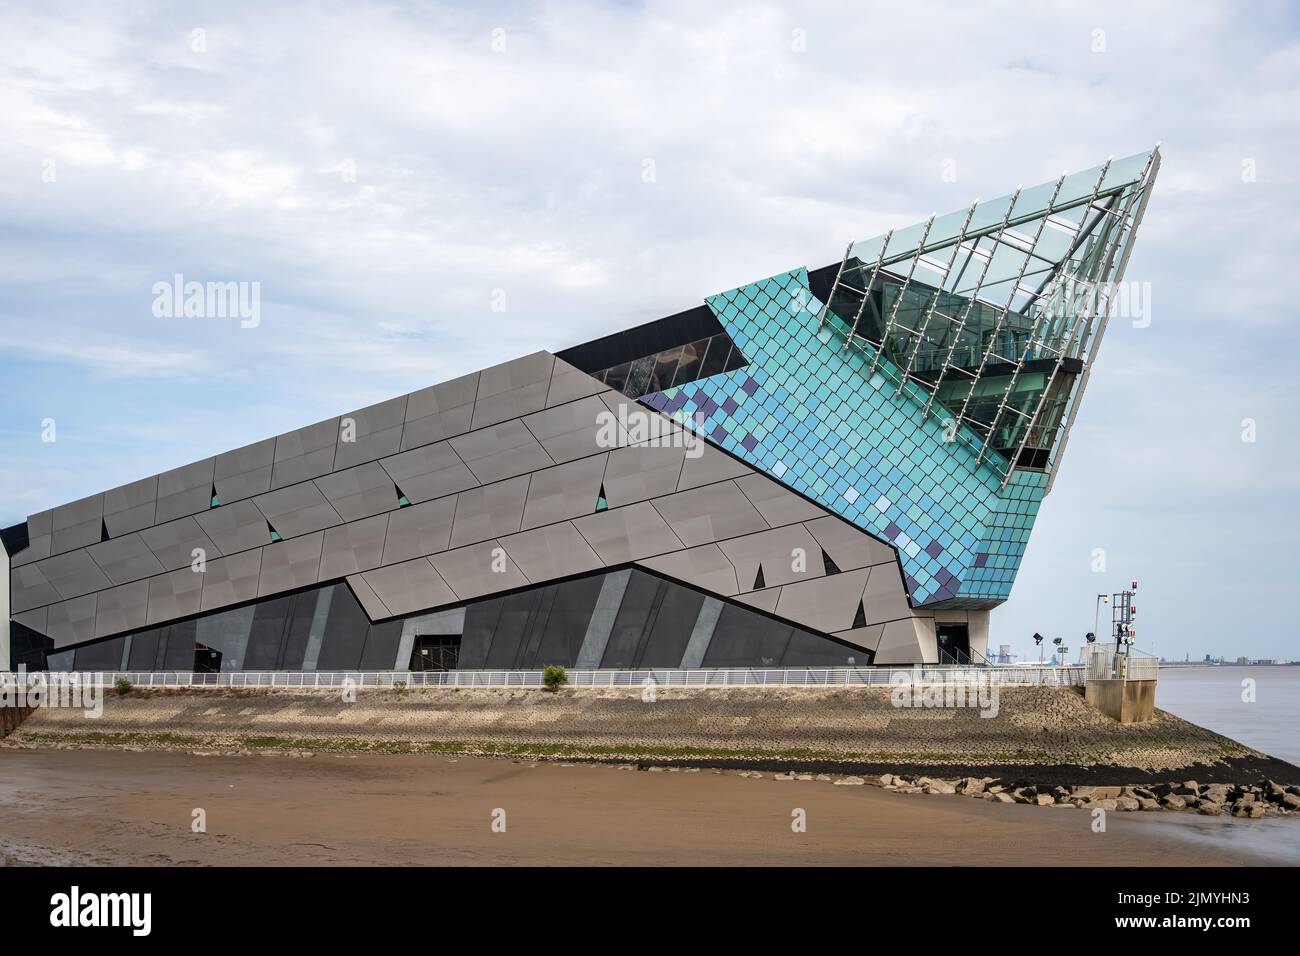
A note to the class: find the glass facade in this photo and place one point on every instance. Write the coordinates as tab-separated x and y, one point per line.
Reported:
674	366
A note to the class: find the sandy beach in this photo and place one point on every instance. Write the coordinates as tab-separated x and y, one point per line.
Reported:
122	807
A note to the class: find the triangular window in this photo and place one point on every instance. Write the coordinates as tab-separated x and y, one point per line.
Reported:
860	619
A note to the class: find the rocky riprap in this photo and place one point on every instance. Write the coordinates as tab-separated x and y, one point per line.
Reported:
1249	801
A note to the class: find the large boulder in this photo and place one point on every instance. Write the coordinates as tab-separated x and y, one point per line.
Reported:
1173	801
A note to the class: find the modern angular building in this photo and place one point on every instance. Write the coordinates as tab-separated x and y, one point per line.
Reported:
824	467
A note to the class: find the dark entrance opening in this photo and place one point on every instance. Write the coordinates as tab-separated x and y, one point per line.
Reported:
954	643
206	660
435	652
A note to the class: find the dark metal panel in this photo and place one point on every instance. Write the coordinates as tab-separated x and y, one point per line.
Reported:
267	634
743	638
674	620
566	622
100	656
381	646
345	633
635	618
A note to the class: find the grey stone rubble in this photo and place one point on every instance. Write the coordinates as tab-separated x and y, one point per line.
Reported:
1247	801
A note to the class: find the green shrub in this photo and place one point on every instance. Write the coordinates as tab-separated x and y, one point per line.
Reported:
122	685
554	677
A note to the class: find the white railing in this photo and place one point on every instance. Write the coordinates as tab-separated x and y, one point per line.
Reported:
1104	663
1068	676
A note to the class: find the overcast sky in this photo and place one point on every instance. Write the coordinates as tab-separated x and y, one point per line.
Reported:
383	170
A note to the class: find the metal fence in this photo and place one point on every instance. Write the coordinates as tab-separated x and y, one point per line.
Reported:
1068	676
1105	663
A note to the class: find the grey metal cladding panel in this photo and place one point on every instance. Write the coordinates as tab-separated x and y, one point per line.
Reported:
569	383
767	600
74	573
41	546
489	511
848	546
479	569
41	523
245	471
705	567
356	546
76	513
573	430
709	513
378	433
70	537
359	492
513	388
290	564
231	580
132	519
304	453
885	597
779	552
298	509
864	637
174	595
308	440
367	598
124	559
711	465
131	507
824	604
436	399
122	608
555	551
234	527
565	491
429	472
184	491
640	472
419	530
29	588
173	543
899	644
501	451
409	586
625	534
778	505
71	622
440	411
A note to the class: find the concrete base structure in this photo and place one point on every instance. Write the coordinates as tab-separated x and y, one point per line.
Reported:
1128	701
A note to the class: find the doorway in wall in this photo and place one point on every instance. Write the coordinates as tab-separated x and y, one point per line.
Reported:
954	643
206	660
435	652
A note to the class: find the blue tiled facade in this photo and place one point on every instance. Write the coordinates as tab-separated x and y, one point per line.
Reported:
809	412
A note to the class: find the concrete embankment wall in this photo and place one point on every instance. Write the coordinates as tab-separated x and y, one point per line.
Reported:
1033	725
11	717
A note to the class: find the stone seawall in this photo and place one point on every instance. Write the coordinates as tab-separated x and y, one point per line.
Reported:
855	727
